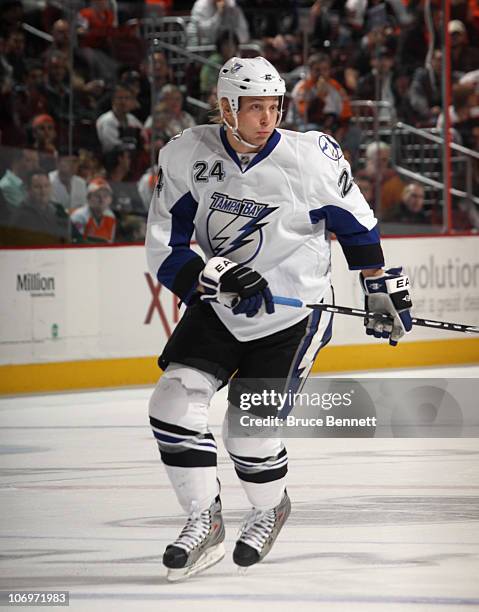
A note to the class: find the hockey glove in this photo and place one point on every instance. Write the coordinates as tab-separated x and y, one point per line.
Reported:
235	286
388	293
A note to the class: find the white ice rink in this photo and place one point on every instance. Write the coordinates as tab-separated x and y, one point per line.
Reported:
377	524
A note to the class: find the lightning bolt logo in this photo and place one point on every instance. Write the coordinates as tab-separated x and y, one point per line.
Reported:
218	241
244	232
234	224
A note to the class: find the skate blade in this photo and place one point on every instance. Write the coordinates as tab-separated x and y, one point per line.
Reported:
210	557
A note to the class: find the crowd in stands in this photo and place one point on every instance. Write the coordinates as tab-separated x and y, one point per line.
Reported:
85	110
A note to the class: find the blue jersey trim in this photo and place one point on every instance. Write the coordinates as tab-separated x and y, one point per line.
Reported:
182	226
229	149
273	140
345	225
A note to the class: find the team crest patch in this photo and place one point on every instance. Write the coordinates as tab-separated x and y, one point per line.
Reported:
235	225
330	147
236	67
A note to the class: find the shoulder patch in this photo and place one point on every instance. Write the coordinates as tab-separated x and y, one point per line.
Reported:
329	147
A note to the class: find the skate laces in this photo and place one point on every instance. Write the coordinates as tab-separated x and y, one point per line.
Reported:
257	528
196	529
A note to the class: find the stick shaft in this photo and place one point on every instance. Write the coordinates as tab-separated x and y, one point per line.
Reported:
357	312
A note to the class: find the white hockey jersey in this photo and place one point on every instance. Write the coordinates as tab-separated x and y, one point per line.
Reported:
274	215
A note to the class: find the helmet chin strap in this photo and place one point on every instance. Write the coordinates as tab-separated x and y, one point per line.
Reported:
236	134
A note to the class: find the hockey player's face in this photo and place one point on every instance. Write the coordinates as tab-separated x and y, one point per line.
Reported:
257	118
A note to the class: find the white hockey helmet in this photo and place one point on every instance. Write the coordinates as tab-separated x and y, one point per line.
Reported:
252	76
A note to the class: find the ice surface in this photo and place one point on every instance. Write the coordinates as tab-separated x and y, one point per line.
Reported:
377	524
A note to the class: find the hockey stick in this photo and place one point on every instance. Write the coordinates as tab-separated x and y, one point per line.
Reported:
356	312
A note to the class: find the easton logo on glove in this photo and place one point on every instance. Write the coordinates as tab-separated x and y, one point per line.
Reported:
388	293
235	286
222	264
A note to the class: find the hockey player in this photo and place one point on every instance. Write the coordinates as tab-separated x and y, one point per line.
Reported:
261	203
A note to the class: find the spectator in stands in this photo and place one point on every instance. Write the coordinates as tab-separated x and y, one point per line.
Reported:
44	136
158	8
387	184
425	91
359	12
127	203
414	40
12	183
28	99
15	54
378	37
472	15
157	130
286	51
471	78
411	207
378	83
464	57
11	16
322	103
126	198
171	102
39	221
88	166
68	189
98	18
271	18
118	126
132	80
56	87
366	187
133	229
95	222
402	104
210	17
227	45
329	28
60	79
60	33
155	72
463	113
88	62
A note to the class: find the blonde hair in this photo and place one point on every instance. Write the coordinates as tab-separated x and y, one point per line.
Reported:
215	114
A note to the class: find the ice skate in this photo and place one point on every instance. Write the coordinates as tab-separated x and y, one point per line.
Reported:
199	545
259	532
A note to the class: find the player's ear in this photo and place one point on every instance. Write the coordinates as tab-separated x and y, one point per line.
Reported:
226	108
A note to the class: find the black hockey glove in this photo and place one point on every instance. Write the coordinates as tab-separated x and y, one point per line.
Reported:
388	293
235	286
